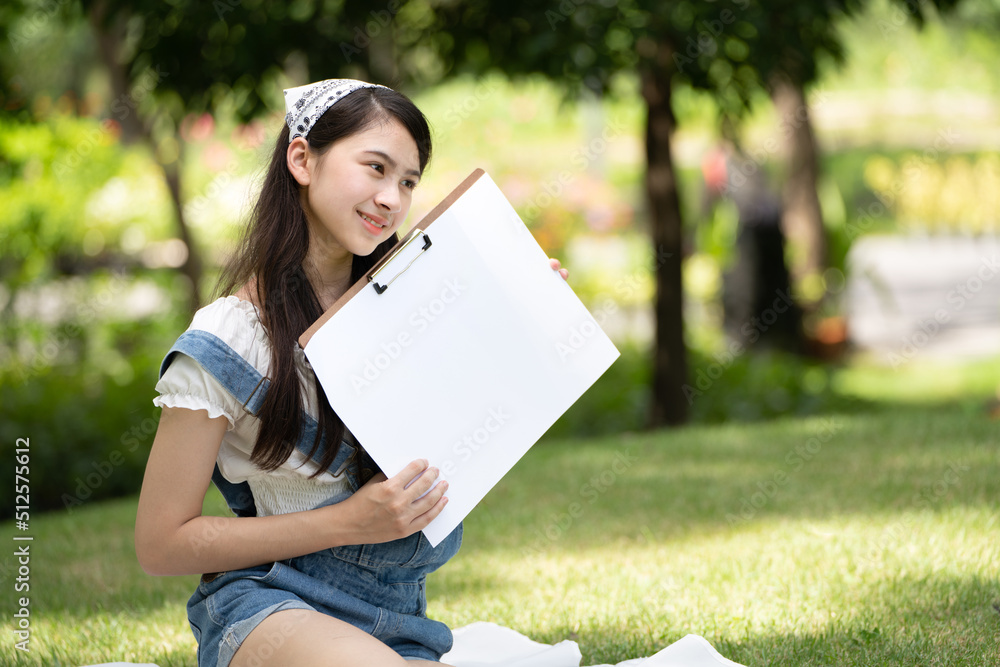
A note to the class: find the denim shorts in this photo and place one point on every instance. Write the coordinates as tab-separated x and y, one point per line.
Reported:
378	588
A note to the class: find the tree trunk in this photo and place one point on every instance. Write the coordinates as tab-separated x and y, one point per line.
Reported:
669	405
192	266
110	35
802	219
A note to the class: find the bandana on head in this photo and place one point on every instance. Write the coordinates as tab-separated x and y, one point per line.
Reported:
305	104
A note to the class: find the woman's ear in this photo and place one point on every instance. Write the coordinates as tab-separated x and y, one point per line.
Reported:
297	159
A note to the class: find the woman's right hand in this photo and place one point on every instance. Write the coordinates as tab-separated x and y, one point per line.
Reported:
387	509
173	537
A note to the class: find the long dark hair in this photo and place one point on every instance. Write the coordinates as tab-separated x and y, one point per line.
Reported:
271	253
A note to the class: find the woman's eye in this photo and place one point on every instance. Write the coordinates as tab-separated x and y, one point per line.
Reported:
377	167
409	184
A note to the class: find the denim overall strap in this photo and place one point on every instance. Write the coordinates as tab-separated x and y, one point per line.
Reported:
248	386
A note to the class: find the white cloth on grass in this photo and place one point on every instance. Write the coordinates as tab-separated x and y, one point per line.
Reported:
491	645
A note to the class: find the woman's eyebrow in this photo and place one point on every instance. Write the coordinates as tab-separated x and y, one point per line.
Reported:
392	163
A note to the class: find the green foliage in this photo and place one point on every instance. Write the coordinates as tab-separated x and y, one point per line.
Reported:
81	446
71	196
587	45
617	403
81	390
567	167
83	322
48	170
758	385
722	388
886	50
881	190
953	194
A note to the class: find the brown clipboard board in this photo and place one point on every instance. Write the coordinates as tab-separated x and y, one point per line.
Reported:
369	277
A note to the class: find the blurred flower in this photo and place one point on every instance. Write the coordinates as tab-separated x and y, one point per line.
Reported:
197	127
960	195
249	136
216	156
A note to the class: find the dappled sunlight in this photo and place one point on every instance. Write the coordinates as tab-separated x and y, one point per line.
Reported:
846	575
925	382
700	480
853	558
161	636
782	255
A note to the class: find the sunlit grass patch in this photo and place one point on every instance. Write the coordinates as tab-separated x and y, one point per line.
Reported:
876	544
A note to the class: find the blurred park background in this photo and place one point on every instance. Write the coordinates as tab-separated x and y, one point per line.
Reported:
782	212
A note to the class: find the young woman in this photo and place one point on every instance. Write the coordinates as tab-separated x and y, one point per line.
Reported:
324	562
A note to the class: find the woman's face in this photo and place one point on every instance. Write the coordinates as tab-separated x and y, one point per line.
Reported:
360	189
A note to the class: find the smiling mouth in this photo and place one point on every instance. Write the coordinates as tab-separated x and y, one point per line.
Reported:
373	223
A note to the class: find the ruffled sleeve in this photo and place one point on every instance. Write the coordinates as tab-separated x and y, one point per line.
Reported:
186	384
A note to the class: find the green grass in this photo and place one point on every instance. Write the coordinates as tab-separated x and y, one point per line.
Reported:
868	537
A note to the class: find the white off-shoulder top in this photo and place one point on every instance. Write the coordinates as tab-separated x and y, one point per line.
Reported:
185	384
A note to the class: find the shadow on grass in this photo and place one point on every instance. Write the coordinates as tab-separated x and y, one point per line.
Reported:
922	621
83	563
662	486
879	462
908	621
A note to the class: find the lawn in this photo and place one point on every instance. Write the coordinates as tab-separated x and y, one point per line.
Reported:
867	537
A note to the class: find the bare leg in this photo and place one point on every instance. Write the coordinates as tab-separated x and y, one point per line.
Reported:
300	637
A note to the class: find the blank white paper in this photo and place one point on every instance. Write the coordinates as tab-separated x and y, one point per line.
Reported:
467	358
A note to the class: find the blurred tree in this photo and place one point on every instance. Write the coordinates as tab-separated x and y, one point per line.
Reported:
166	60
194	56
584	45
793	39
729	48
187	56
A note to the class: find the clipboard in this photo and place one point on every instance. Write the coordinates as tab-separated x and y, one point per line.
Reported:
461	346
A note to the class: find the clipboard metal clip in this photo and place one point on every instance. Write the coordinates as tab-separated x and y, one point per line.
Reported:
412	236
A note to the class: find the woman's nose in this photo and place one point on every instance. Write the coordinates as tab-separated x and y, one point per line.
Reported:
388	198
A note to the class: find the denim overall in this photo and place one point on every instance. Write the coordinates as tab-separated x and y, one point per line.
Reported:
378	588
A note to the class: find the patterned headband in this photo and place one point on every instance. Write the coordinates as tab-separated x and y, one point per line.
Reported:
305	104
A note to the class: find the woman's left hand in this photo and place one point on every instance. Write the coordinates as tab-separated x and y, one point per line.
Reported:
556	266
